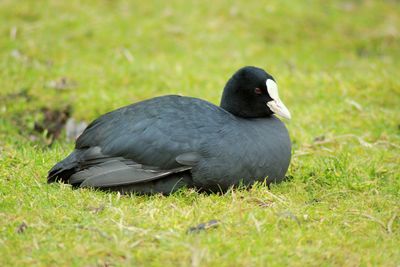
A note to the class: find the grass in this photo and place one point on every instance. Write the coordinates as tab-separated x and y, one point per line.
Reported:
337	65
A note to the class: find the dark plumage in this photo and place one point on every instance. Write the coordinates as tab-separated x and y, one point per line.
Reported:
166	143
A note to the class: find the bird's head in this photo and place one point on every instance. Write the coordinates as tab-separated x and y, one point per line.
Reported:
253	93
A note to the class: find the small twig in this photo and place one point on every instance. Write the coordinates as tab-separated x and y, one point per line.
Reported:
358	138
372	219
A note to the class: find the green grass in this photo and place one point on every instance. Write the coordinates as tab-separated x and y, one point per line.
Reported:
337	64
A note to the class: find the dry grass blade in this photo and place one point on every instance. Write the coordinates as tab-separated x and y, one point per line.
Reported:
390	223
370	217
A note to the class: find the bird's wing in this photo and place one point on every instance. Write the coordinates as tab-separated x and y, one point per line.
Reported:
145	141
115	172
154	132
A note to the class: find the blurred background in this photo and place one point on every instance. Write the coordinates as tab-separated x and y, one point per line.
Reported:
335	61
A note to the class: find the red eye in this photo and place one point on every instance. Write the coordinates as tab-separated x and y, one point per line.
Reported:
257	91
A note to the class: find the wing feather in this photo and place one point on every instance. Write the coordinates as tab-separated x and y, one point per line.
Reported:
118	173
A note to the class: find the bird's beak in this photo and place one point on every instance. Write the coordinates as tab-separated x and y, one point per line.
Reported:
277	107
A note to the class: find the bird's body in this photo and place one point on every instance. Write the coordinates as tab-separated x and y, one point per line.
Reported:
165	143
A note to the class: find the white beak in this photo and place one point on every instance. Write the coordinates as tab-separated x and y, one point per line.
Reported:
277	107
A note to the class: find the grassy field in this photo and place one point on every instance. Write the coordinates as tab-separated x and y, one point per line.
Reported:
337	65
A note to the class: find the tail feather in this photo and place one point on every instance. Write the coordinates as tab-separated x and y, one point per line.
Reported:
63	169
91	168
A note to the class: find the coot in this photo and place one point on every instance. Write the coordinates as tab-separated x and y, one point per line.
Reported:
165	143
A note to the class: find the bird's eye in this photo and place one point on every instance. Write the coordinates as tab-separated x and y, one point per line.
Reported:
257	91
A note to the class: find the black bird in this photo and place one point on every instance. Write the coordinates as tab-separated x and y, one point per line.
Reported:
165	143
